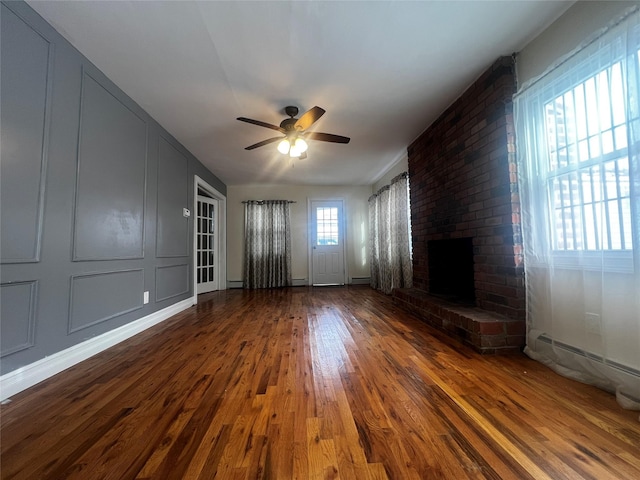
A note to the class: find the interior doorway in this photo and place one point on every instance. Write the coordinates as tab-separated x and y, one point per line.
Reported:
207	254
209	239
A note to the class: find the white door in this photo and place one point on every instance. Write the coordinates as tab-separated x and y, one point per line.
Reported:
327	242
207	257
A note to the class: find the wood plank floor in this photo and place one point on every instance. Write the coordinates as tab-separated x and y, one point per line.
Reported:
311	384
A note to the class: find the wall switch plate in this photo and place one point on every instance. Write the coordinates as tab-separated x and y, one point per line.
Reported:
146	297
186	212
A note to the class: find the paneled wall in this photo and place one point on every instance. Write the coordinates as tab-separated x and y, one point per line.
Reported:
92	192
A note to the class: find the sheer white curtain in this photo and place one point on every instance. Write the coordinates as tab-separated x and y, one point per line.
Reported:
390	236
267	244
578	141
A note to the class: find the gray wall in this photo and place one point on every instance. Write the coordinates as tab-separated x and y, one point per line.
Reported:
91	198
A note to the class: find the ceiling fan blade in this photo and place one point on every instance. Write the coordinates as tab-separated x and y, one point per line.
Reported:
309	118
264	142
261	124
326	137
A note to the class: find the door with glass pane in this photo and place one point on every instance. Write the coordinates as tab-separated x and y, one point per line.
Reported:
207	244
327	242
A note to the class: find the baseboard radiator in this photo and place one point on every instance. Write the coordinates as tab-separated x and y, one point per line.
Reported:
630	373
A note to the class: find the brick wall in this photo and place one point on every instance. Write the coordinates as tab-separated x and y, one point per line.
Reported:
463	184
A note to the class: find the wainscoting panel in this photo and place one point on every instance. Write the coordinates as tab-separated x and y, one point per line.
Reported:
79	205
109	214
24	108
98	297
172	281
173	227
18	313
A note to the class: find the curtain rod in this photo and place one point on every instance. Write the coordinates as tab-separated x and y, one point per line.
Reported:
387	187
263	201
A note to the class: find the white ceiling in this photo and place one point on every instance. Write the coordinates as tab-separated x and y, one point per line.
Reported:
382	70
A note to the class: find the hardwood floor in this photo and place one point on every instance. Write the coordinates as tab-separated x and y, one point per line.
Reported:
311	383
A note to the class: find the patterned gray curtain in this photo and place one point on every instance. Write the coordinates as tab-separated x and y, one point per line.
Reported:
267	244
374	259
390	257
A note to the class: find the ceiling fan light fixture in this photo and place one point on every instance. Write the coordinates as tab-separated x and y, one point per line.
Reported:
300	145
294	152
283	146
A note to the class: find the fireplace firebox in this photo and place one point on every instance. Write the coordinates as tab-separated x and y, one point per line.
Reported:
451	269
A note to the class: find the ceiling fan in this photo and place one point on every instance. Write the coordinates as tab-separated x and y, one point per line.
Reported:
294	142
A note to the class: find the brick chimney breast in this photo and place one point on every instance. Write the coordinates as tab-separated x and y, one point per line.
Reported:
464	185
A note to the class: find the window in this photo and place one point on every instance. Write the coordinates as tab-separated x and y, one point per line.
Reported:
327	225
578	137
588	165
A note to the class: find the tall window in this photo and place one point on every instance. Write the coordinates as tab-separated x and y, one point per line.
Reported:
578	134
587	164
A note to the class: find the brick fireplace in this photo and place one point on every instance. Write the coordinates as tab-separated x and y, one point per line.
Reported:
464	191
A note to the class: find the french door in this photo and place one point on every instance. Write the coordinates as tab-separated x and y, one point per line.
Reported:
207	258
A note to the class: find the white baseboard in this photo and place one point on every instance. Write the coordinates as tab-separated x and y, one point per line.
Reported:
27	376
296	282
302	282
